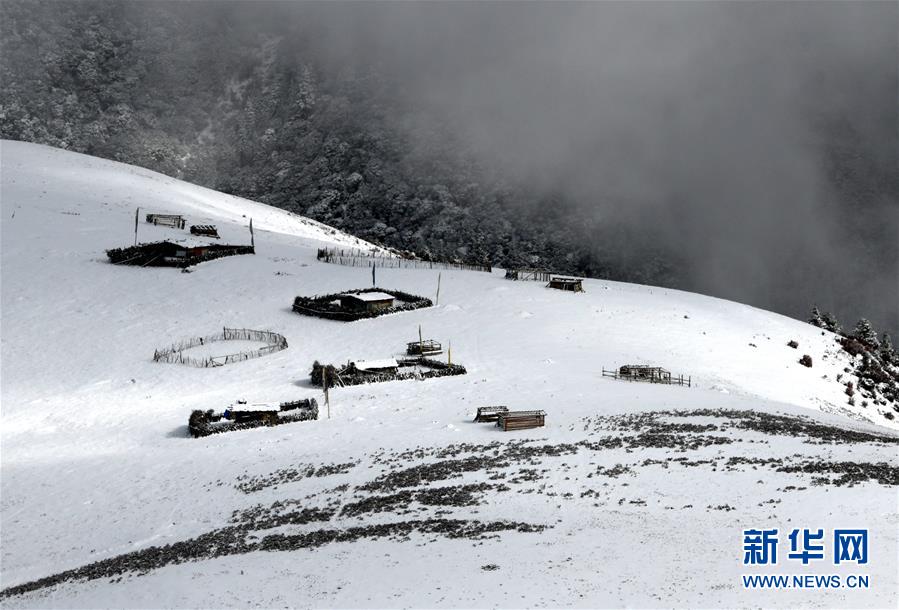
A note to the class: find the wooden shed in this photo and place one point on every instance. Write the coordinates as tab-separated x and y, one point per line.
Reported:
366	301
571	284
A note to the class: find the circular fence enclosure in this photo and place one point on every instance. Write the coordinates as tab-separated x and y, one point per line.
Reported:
175	354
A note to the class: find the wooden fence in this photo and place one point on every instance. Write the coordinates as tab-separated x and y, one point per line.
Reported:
359	258
679	380
535	275
175	353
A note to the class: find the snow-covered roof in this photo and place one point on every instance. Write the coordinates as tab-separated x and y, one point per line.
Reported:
370	296
256	406
384	363
193	241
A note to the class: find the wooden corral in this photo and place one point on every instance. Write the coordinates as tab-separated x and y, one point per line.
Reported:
426	347
241	416
205	230
646	373
490	414
175	353
571	284
357	305
171	254
175	221
521	420
375	371
536	275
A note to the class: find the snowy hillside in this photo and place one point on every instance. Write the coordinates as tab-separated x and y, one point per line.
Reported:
632	494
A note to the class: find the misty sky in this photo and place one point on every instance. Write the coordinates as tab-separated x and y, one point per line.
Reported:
710	126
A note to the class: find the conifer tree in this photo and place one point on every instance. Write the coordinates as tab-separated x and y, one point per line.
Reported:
864	333
815	318
831	323
887	353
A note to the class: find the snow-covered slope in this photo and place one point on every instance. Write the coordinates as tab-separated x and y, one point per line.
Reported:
41	179
96	462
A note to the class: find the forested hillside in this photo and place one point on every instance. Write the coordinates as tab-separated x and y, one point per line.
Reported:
288	107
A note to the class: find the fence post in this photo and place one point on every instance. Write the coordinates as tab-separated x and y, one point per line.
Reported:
325	384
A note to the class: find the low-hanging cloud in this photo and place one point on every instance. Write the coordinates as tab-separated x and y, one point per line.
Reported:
713	127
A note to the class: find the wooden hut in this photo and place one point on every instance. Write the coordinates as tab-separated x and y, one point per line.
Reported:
178	252
571	284
366	301
385	365
242	412
520	420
